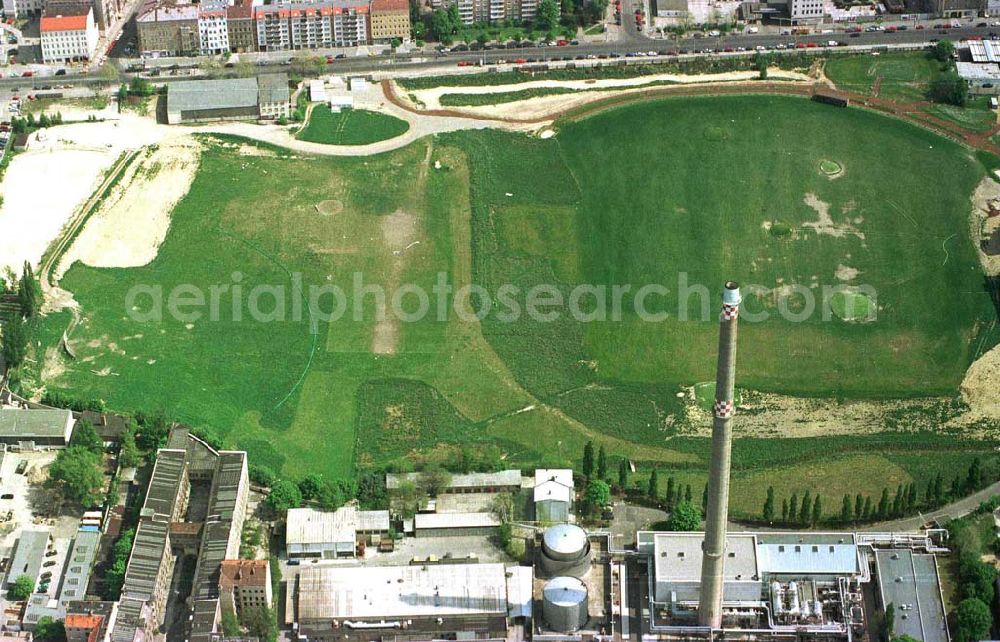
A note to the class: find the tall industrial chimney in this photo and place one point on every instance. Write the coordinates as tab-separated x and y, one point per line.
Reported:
714	547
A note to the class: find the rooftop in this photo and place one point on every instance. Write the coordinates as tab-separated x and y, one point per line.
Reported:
679	555
197	95
390	5
974	71
29	552
273	88
401	591
809	553
235	573
164	485
144	564
553	484
29	424
470	480
910	582
985	50
166	10
455	520
50	24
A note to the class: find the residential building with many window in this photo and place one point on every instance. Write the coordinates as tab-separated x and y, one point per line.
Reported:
168	28
390	19
213	30
311	25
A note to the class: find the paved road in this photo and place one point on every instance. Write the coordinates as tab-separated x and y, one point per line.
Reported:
414	63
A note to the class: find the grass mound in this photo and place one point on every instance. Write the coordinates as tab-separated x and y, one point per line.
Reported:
829	167
853	306
351	127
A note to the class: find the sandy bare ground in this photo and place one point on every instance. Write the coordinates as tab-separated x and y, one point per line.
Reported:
984	199
550	106
133	220
825	224
981	386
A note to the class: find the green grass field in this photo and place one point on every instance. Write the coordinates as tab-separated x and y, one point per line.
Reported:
975	115
904	76
351	127
702	178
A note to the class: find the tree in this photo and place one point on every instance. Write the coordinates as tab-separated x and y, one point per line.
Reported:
434	480
653	486
949	88
29	292
817	513
793	507
230	625
805	508
261	623
784	509
889	623
547	15
688	496
79	471
128	454
284	495
21	588
588	459
943	50
372	494
311	485
973	620
440	24
883	504
114	578
331	495
911	496
598	494
867	512
109	74
15	341
602	464
49	630
670	492
975	475
976	577
845	509
503	507
761	61
154	431
768	511
85	436
623	472
684	517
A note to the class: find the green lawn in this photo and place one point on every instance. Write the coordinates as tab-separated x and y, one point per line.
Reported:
637	195
975	115
497	98
351	127
905	76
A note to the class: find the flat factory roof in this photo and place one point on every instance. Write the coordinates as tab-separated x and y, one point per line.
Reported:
202	95
18	423
678	557
165	484
402	591
29	552
807	553
985	50
974	71
470	480
910	583
455	520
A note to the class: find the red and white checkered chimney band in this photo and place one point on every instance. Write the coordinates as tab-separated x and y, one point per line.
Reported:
724	409
729	312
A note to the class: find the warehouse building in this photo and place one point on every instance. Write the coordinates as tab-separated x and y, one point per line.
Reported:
504	481
553	495
29	553
910	582
29	429
311	533
983	79
444	602
264	96
455	524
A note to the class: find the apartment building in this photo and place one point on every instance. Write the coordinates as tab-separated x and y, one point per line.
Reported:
390	19
311	25
21	8
242	32
213	28
476	11
245	584
168	28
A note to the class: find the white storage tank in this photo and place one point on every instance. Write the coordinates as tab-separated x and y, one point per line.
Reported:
565	551
564	604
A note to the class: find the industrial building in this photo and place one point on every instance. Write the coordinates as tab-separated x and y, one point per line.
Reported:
983	78
504	481
265	96
331	534
29	429
455	524
28	555
553	495
195	505
245	584
73	583
442	602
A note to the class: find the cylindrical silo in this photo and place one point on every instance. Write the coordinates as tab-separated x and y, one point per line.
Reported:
564	604
565	551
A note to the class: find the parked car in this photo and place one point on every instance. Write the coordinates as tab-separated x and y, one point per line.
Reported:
60	72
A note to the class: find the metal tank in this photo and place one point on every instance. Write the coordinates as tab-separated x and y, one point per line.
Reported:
564	604
565	551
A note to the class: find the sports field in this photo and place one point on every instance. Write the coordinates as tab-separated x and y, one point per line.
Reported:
351	127
636	195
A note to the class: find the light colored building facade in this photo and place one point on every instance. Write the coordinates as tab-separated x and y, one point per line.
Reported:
553	495
476	11
313	533
168	29
312	25
390	19
213	28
